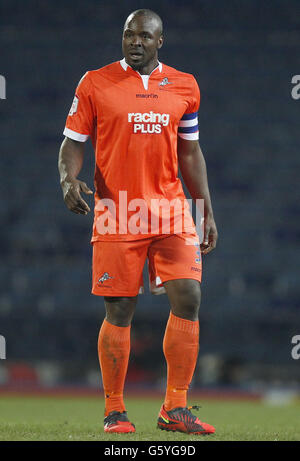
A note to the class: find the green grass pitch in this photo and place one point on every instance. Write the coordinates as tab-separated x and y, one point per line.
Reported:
73	419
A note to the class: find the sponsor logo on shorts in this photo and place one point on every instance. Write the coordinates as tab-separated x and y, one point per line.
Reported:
103	278
196	269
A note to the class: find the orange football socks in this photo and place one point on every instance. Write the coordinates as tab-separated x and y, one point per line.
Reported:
113	351
181	346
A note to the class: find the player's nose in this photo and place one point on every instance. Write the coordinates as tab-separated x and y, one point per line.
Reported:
136	40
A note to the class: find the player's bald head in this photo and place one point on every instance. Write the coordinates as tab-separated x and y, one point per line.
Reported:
148	14
142	38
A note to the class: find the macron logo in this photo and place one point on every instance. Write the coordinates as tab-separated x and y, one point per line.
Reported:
148	122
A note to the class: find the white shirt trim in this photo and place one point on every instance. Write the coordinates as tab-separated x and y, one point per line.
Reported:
75	136
125	65
145	78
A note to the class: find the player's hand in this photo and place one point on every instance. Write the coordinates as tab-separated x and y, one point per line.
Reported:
73	200
210	235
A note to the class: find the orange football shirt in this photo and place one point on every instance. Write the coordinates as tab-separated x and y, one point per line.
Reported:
133	122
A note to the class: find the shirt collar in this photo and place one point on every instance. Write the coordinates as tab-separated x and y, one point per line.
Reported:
125	65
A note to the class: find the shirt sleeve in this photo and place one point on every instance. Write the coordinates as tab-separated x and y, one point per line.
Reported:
80	121
188	125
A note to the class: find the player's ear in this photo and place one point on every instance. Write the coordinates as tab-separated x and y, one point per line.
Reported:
160	42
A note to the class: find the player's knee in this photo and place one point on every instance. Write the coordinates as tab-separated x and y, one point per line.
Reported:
119	311
187	302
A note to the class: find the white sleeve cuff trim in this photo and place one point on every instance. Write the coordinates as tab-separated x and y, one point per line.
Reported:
74	135
189	136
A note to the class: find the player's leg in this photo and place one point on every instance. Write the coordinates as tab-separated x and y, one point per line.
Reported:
181	346
181	340
117	275
113	351
184	297
120	310
178	266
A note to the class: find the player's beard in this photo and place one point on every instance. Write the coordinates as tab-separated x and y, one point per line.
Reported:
145	62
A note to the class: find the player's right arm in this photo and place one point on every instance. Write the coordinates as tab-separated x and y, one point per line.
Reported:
79	127
70	162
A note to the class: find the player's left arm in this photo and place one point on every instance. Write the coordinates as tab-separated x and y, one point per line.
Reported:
194	173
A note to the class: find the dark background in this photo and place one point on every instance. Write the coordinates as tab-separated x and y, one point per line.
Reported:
243	54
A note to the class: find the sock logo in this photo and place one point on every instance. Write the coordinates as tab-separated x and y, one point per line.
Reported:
148	122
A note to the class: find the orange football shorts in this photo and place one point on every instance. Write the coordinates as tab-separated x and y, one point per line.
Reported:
118	265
